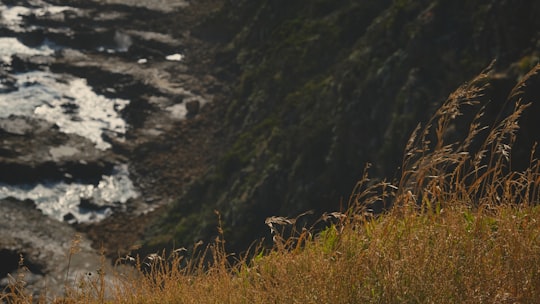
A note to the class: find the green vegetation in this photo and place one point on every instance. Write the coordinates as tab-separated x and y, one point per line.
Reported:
319	88
463	229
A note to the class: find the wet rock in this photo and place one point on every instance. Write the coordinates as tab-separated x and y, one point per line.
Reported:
70	218
91	38
44	246
90	204
33	38
35	150
162	6
18	125
122	41
8	83
21	63
193	106
11	260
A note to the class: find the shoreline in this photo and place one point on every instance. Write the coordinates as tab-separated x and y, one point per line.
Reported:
164	152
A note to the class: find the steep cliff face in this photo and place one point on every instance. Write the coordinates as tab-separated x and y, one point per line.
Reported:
322	87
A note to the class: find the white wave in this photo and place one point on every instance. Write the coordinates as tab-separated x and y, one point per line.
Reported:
60	199
47	96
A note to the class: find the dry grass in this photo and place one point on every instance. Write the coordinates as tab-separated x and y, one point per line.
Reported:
464	228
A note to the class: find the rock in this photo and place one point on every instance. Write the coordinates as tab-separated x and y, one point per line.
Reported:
44	246
19	65
70	218
34	150
91	205
8	83
192	106
18	125
10	263
33	38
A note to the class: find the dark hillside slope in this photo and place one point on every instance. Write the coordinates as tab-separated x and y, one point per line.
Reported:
321	87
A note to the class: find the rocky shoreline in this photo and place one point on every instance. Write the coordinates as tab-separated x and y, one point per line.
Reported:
120	49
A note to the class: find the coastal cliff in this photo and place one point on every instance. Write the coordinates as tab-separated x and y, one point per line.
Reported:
317	89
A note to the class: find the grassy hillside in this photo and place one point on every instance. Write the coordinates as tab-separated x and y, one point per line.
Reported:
463	229
320	88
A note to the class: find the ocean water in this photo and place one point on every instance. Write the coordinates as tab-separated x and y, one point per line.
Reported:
68	102
75	108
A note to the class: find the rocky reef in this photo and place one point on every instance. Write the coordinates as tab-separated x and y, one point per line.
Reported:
91	91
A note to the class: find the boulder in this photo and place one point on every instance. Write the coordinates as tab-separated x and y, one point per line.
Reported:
192	106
